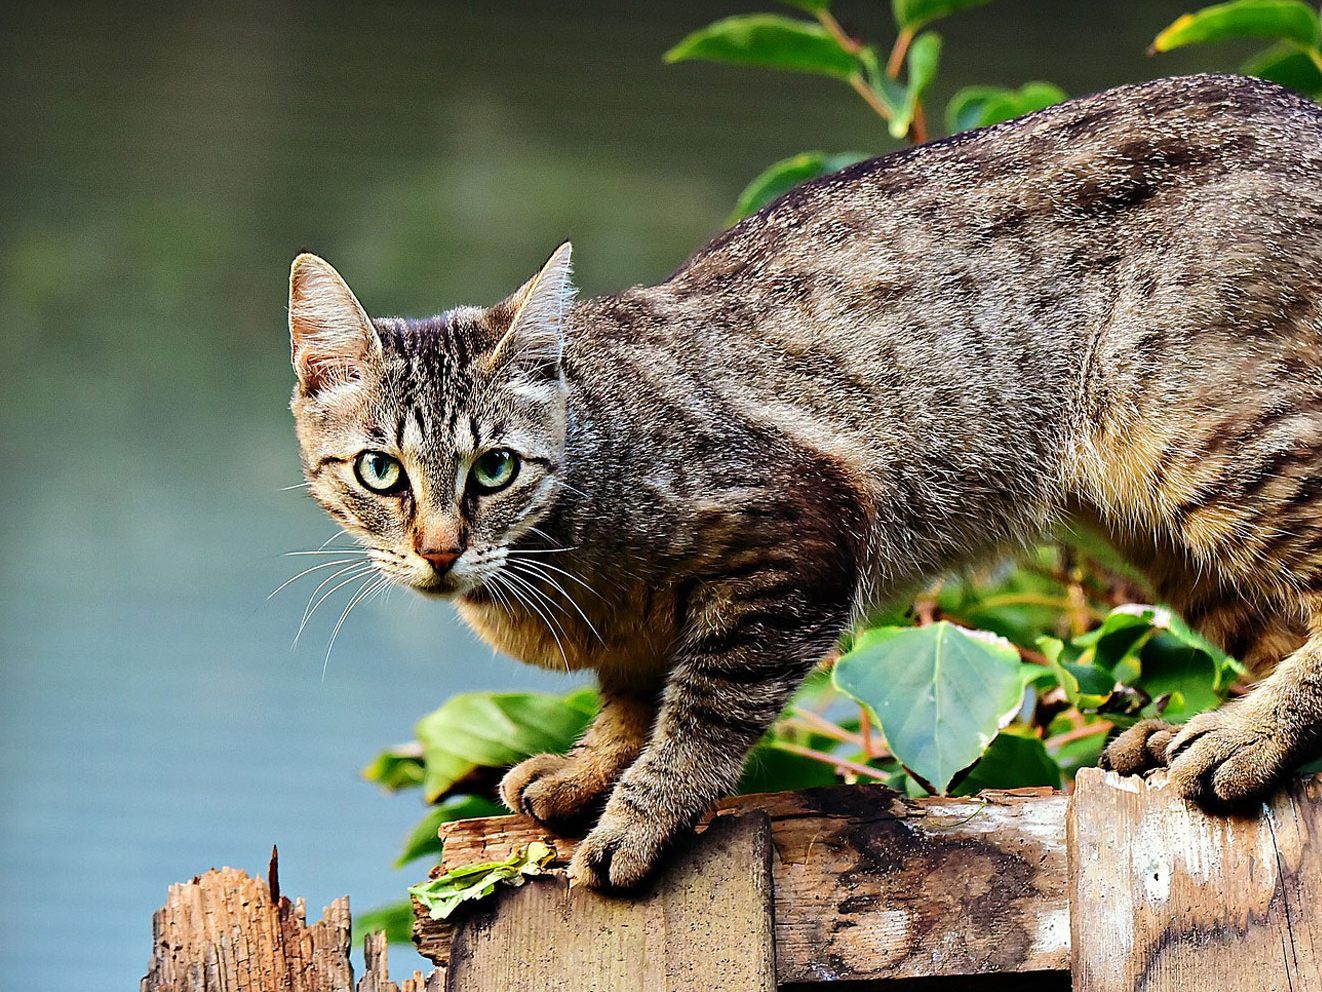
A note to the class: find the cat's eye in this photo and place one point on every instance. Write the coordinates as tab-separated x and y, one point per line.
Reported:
380	472
495	469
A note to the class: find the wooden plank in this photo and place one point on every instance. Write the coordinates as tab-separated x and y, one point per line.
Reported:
704	925
1167	898
872	885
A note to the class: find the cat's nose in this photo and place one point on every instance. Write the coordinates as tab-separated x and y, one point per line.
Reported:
440	560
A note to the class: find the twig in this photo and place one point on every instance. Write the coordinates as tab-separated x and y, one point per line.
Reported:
1079	733
840	764
865	729
837	32
869	96
896	61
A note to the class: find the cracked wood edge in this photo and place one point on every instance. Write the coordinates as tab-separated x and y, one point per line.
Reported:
871	885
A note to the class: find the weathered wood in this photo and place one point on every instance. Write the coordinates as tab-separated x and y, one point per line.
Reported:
228	932
872	885
1168	899
376	971
706	924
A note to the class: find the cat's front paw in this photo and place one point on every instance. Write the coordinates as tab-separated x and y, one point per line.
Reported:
1139	749
1230	758
620	853
555	790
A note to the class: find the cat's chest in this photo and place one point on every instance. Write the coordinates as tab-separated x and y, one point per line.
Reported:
629	643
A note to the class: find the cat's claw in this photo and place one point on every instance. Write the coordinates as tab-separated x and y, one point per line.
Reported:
619	854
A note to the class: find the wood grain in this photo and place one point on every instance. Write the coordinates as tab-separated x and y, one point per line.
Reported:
1168	899
227	931
871	885
705	925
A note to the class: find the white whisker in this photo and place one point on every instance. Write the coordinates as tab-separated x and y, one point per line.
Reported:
308	571
562	591
357	570
370	585
520	582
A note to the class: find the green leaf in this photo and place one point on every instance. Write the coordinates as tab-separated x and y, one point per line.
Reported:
442	895
1287	64
940	693
772	768
1183	671
809	6
396	768
778	179
980	106
394	920
924	58
1086	686
1014	761
910	15
495	730
1287	20
425	840
770	42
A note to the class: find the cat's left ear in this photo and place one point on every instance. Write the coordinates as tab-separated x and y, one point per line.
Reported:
330	335
535	340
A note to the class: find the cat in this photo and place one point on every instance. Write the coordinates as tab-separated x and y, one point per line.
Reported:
1110	309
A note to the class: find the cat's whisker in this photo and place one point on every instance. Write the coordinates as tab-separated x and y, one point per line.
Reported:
309	571
527	600
516	555
356	571
550	580
319	551
370	585
296	485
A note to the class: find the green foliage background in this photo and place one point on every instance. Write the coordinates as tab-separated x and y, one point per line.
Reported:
1004	676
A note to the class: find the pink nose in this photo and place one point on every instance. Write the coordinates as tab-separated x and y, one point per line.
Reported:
440	560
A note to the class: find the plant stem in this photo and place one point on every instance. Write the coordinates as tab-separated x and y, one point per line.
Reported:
869	96
918	126
840	764
896	61
1078	733
865	729
841	36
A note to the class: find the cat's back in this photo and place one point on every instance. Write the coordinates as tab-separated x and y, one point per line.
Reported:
1088	169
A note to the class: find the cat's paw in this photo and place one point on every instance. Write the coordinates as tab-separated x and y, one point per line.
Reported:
620	853
1139	749
1228	759
555	790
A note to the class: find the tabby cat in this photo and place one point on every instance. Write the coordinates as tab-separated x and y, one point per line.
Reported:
1109	310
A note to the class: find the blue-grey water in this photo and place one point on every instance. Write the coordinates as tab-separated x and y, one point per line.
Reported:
160	165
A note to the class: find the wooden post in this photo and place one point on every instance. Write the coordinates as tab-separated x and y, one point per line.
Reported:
228	932
867	885
1168	899
705	925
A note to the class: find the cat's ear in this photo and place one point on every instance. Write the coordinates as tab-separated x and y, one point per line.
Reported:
536	336
331	337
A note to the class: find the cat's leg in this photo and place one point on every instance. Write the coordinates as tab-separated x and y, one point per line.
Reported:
749	646
1139	748
1238	754
565	790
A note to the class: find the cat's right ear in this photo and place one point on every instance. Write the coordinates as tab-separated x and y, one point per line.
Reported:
331	338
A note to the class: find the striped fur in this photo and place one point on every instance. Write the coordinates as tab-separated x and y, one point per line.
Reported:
1111	308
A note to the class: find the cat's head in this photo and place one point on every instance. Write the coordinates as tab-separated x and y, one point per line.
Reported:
435	443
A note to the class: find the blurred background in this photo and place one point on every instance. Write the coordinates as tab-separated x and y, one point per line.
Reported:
161	165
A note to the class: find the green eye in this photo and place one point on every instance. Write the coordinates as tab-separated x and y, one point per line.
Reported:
380	473
495	470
